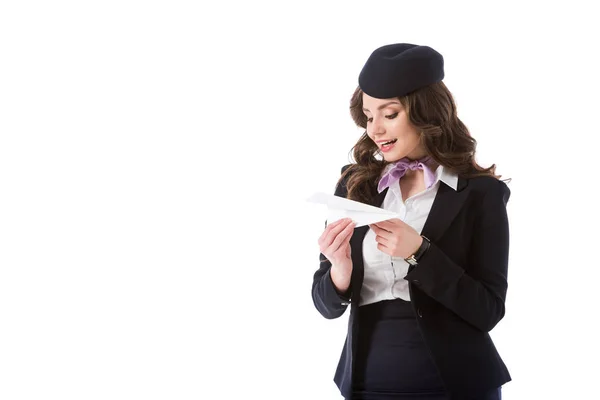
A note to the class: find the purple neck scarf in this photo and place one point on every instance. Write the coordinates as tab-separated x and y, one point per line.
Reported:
400	168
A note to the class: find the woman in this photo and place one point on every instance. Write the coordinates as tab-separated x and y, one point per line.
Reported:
424	290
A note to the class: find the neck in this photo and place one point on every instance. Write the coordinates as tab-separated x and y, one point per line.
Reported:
413	174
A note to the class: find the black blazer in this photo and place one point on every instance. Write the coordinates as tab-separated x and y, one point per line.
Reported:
457	290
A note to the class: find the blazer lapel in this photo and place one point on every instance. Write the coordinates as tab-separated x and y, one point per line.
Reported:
445	206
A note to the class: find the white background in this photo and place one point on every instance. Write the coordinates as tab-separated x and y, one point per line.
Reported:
154	161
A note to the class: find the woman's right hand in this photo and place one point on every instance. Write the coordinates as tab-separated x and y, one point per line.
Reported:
334	243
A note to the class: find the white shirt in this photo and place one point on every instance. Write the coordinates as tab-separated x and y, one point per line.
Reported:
384	274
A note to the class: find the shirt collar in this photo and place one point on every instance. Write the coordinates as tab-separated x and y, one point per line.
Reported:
446	176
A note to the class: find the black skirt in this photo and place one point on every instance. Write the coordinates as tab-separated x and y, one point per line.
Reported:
392	360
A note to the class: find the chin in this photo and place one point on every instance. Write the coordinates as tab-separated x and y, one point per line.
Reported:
393	157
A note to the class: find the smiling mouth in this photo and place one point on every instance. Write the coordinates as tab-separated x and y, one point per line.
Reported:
388	143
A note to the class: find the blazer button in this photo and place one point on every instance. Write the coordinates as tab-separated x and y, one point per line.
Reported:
417	282
419	313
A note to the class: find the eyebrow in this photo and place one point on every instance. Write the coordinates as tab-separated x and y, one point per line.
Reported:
383	105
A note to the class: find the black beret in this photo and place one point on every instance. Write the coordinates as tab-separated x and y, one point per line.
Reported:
395	70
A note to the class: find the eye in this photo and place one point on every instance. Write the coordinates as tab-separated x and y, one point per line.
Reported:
392	116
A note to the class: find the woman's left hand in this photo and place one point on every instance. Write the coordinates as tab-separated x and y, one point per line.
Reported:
396	238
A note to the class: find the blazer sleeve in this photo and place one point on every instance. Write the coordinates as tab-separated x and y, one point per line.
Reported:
477	296
326	298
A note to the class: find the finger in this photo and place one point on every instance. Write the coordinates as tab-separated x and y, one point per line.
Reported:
384	226
330	233
379	230
340	223
338	228
390	223
381	239
334	223
345	248
343	237
383	248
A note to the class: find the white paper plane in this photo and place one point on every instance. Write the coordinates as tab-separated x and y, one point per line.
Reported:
339	207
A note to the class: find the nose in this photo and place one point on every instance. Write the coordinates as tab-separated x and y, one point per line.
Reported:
375	128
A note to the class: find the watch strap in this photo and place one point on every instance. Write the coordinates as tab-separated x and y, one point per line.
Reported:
420	251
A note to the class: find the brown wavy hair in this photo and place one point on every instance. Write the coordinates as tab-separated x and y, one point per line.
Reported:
447	140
